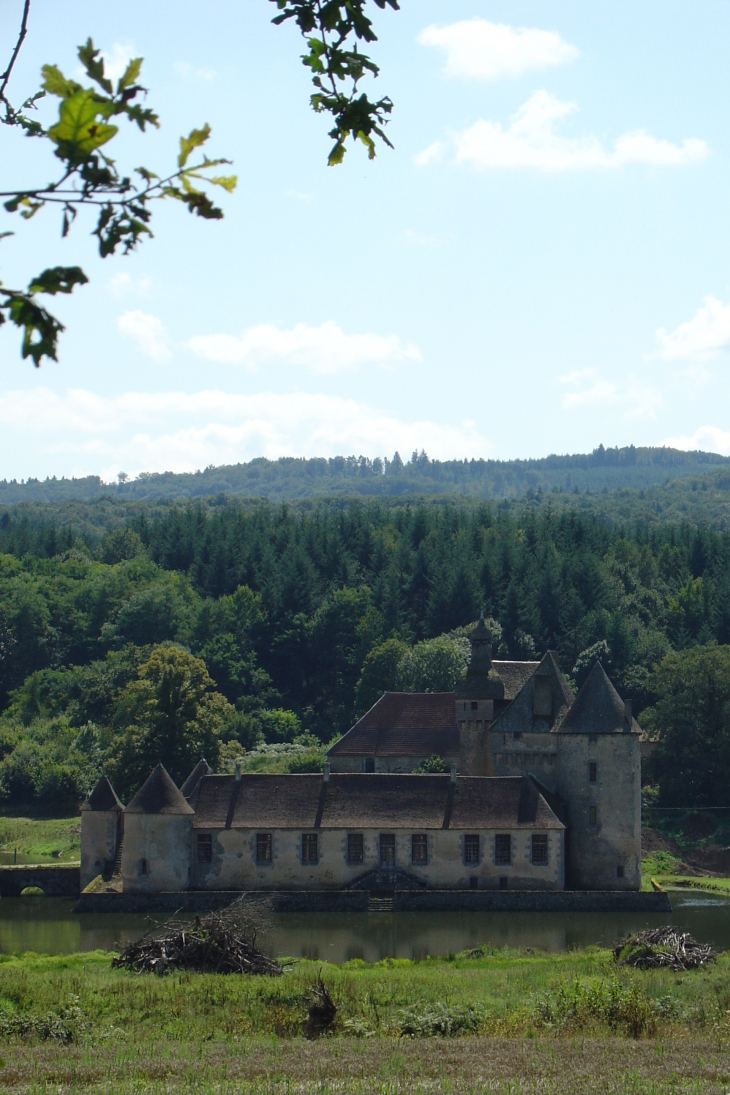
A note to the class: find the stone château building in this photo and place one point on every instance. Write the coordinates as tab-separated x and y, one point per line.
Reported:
543	793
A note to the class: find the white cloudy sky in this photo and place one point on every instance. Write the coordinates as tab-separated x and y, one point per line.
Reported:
541	264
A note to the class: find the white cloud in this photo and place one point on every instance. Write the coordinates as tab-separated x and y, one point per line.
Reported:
189	72
82	433
115	63
705	336
123	285
531	141
485	51
432	154
586	387
149	332
706	438
323	349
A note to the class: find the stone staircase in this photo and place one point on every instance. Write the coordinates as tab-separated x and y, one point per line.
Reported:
380	904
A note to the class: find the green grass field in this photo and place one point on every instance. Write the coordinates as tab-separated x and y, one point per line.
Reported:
40	839
496	1021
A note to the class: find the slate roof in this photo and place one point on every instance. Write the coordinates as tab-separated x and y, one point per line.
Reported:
598	708
515	676
378	801
410	724
158	795
103	798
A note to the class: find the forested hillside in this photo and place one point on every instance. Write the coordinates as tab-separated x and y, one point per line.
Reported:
294	478
269	628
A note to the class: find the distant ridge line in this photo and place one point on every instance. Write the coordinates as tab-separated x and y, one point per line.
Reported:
301	477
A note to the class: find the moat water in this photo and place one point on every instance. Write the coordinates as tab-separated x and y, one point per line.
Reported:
48	925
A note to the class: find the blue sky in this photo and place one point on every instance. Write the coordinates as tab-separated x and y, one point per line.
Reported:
542	264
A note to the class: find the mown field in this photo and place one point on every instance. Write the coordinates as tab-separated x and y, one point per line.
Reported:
485	1021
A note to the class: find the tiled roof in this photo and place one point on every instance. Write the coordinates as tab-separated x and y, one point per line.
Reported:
377	801
597	709
410	724
103	797
158	795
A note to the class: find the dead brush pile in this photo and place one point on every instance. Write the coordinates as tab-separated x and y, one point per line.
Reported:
663	947
213	943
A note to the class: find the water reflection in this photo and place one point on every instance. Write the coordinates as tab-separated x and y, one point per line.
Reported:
49	925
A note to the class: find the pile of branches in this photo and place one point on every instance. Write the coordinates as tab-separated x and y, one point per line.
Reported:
663	947
213	943
322	1011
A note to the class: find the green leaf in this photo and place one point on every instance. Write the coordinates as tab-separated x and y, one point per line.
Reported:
228	182
94	65
58	279
77	132
131	73
196	138
55	83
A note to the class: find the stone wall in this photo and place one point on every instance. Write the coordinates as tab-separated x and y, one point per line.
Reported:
98	842
563	901
156	854
234	863
600	845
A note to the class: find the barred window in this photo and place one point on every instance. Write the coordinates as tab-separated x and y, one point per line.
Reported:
205	848
355	848
592	817
310	851
503	848
419	848
539	848
263	847
471	848
369	764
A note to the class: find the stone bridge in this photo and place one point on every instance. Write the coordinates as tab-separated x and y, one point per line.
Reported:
56	880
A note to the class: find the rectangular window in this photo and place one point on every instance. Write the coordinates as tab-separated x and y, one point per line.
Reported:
592	772
592	815
387	849
475	705
539	848
503	848
205	848
355	848
310	850
419	848
143	866
619	871
503	882
471	848
263	847
369	764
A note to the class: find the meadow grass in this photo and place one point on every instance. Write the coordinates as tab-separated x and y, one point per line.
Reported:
44	838
520	1023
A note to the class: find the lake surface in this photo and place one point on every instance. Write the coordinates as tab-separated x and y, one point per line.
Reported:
48	925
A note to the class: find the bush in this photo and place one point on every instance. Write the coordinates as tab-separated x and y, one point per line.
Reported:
440	1020
621	1006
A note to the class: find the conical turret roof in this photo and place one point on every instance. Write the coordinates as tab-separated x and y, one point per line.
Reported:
481	680
103	798
598	708
159	795
202	768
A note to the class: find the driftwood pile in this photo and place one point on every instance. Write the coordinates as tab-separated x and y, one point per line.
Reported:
213	943
663	947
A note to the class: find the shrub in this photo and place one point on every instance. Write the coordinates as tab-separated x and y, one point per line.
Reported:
621	1006
440	1020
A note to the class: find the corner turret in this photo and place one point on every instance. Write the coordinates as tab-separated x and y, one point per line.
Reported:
101	831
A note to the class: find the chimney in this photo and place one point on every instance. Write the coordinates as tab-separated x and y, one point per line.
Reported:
452	774
238	770
326	772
